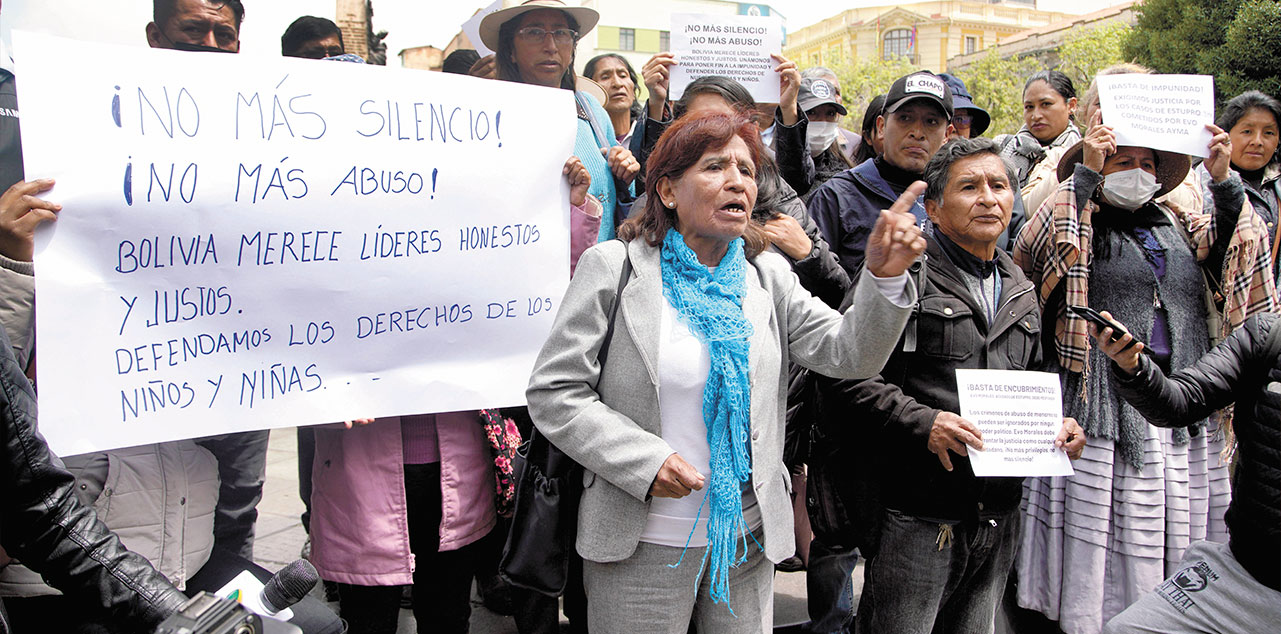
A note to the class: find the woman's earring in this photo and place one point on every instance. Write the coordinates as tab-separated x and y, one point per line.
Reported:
671	205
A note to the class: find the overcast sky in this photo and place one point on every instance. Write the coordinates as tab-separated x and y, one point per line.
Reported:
410	22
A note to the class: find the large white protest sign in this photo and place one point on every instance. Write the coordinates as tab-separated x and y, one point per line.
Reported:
735	46
1019	414
471	28
249	243
1164	112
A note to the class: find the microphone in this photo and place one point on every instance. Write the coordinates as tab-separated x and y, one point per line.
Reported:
289	586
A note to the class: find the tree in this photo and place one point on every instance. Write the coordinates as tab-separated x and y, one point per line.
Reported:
1251	55
1236	41
1086	51
863	80
996	85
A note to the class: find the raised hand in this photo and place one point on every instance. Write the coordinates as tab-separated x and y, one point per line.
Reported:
1220	159
657	75
896	241
485	68
789	86
1100	143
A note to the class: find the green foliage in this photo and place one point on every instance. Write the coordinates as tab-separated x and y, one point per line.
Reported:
997	86
863	80
1236	41
1251	55
1086	51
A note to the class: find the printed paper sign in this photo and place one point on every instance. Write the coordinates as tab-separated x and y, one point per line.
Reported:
735	46
1163	112
249	243
471	28
1019	415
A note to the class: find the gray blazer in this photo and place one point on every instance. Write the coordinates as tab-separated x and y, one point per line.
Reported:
608	419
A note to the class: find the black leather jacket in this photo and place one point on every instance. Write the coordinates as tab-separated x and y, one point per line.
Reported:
43	525
1242	370
879	427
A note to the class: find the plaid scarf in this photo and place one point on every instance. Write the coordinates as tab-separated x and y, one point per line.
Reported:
1055	247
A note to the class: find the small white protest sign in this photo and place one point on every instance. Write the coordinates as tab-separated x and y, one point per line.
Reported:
1019	415
1163	112
249	243
471	28
735	46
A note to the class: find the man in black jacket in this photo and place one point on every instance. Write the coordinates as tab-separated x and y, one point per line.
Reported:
1233	587
43	524
945	539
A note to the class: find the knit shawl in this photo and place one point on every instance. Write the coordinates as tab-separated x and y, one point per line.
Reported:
1128	295
1055	248
710	303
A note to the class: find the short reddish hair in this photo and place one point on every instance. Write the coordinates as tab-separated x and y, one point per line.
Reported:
680	147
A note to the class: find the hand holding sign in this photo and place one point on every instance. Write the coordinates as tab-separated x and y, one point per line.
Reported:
953	433
1100	143
657	74
1071	438
789	87
484	68
20	213
1219	162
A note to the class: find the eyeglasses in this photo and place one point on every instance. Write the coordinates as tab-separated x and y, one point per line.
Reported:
962	119
533	34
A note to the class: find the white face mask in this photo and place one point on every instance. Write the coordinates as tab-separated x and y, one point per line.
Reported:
1129	189
821	135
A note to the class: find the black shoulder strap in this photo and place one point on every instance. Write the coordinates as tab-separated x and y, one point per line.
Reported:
613	309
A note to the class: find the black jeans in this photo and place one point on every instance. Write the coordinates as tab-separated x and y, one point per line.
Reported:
306	455
442	580
242	464
537	613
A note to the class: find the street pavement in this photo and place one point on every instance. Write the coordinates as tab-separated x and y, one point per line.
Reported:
280	538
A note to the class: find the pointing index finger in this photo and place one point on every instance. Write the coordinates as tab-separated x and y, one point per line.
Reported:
905	202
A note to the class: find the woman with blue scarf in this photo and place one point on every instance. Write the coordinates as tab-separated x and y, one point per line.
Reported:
686	502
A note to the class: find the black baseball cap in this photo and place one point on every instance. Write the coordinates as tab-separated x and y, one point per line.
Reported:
919	85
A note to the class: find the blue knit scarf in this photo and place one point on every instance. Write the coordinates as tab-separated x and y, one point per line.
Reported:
711	305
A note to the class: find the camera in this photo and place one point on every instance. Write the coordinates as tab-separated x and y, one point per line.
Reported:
208	614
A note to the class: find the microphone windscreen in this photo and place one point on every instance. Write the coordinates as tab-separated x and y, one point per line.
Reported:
290	585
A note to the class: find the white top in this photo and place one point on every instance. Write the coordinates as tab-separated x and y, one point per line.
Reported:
683	365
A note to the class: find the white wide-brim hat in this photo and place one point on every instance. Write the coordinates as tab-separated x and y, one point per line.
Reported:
512	9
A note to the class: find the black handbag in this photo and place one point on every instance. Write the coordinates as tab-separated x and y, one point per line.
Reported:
545	521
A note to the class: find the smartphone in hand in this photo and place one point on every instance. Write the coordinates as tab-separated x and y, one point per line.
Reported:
1096	318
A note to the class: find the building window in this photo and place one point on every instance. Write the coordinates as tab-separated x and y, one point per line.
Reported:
834	54
971	44
664	40
898	43
627	39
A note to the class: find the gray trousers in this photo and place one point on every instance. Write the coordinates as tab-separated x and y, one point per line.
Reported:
644	594
1211	592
